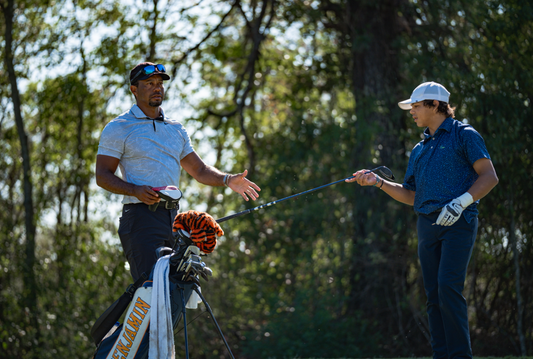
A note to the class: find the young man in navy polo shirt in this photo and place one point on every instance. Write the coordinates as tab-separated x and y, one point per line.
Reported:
449	171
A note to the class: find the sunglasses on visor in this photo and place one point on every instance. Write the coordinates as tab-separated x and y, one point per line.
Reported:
147	70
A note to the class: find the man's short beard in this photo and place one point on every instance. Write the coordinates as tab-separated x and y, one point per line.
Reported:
155	103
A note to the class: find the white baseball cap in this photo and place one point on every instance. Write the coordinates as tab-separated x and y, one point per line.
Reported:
426	91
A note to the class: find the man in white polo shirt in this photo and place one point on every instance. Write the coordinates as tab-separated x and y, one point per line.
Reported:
150	149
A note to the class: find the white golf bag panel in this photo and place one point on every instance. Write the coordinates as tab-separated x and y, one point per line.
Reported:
135	326
130	340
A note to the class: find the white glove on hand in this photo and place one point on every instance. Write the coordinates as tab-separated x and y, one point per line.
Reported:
452	211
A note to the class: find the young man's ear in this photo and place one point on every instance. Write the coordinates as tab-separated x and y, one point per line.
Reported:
133	90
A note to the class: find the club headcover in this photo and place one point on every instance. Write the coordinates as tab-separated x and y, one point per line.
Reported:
203	229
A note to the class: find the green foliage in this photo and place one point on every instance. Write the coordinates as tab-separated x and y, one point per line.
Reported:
301	94
300	334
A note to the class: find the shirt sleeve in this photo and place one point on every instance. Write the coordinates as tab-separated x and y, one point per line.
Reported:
111	142
473	145
187	146
409	179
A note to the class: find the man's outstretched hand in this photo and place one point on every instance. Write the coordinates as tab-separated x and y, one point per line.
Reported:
243	186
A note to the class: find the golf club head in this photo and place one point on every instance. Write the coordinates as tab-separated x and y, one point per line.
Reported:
206	273
384	171
196	258
198	266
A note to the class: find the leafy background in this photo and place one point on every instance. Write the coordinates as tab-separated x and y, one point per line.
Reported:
301	93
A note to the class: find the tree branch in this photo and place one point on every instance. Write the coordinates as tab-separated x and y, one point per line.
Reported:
240	97
194	48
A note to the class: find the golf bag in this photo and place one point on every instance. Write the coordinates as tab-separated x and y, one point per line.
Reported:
129	340
194	232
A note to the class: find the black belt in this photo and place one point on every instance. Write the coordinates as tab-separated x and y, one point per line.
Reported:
164	204
153	207
434	213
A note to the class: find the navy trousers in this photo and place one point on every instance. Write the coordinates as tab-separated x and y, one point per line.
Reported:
141	232
444	253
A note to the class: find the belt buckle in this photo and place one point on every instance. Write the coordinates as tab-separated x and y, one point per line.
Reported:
170	205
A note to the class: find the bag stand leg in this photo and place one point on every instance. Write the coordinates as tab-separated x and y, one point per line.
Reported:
183	311
212	317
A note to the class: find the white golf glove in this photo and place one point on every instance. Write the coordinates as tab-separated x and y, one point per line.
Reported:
452	211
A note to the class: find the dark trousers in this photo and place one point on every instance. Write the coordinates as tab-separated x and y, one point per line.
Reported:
141	232
444	253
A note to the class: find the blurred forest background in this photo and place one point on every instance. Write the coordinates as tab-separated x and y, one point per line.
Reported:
301	93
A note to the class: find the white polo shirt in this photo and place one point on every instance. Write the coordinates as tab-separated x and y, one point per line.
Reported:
148	156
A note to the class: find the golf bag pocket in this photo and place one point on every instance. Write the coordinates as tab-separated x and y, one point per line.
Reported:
130	339
194	299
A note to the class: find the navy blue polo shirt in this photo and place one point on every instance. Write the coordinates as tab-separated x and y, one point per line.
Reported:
441	166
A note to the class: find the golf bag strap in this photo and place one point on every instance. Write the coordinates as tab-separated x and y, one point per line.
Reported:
106	321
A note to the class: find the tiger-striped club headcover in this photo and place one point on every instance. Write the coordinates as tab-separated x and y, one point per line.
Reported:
203	229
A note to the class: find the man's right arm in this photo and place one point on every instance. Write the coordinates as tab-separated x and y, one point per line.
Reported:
395	190
398	192
106	178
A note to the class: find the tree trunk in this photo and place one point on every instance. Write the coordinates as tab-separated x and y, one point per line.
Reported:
153	33
519	303
30	288
373	28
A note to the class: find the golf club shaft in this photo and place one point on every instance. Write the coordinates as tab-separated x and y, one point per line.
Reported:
380	169
223	219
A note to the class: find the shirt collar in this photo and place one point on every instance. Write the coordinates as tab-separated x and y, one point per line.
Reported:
446	125
139	114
